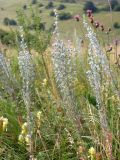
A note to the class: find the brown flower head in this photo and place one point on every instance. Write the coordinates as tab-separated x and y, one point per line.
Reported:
89	13
77	18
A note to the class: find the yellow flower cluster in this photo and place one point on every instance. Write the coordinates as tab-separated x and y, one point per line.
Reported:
92	153
3	124
44	83
38	119
24	137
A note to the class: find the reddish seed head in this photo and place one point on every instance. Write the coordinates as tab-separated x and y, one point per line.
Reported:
82	41
116	42
110	49
89	13
97	24
102	28
77	17
109	29
91	20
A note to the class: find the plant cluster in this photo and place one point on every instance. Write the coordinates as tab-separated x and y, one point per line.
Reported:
59	100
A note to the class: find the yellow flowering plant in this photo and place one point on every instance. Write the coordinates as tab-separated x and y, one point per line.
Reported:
3	124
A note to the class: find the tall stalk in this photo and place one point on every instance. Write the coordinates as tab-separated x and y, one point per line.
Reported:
27	74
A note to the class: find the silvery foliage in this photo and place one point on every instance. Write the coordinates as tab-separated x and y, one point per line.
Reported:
25	65
63	58
62	63
6	77
99	73
27	73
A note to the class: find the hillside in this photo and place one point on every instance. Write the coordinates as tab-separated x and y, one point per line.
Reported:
9	10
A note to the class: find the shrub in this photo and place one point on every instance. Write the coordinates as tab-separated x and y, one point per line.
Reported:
34	1
34	27
12	22
7	38
114	3
116	25
90	6
117	8
69	1
25	7
65	16
49	5
52	13
41	5
61	6
8	21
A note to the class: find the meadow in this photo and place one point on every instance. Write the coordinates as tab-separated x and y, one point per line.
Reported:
59	85
10	8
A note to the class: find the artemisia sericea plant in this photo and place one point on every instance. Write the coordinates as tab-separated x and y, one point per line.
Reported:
7	79
64	70
102	84
27	74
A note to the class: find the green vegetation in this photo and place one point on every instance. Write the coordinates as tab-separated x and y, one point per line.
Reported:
25	7
69	1
59	82
116	25
61	7
65	16
7	38
52	13
90	6
8	22
49	5
113	3
34	1
73	9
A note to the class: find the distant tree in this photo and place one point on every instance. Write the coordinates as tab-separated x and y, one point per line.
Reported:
8	21
34	1
65	16
117	8
116	25
90	6
69	1
49	5
25	7
40	11
12	22
61	6
113	3
52	13
41	5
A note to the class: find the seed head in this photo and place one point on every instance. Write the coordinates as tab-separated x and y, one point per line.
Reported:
77	18
89	13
